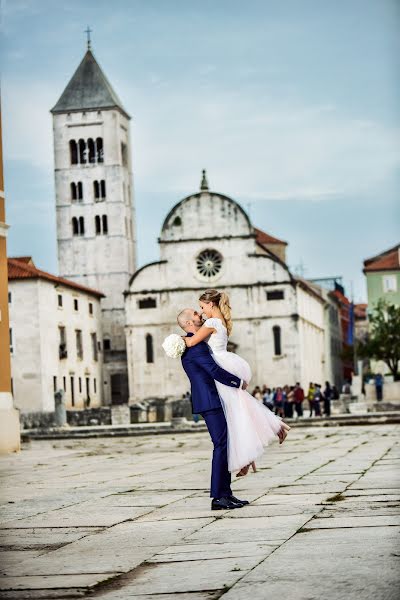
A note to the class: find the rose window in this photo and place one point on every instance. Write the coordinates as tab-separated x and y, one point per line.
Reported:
209	263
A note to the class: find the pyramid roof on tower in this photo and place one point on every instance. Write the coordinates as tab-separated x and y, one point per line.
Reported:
88	89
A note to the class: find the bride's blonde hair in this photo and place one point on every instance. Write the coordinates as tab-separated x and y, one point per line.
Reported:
221	300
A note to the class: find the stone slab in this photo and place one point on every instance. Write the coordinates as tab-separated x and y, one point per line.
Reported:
32	582
365	521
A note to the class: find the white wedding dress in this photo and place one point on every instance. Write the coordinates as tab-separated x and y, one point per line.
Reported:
251	425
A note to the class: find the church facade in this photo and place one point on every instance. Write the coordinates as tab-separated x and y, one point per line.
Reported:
208	241
94	205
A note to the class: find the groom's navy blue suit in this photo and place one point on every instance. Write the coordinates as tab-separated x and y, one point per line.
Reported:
202	370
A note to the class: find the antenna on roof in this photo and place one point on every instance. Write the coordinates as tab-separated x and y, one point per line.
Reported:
88	31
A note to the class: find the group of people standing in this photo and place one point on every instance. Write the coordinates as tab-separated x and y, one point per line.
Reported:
288	400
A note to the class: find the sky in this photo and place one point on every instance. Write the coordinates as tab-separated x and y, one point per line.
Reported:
292	106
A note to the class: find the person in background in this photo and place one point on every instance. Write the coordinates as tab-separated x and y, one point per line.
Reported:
268	399
279	402
310	398
327	399
346	389
317	399
298	399
289	403
257	393
379	386
335	393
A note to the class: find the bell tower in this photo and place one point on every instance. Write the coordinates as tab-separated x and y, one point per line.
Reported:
94	204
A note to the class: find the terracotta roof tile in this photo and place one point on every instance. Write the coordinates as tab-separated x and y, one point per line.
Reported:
386	261
264	238
23	267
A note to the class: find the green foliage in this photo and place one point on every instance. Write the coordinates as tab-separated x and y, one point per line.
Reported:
383	342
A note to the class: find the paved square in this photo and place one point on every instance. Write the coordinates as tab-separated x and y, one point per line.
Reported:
124	518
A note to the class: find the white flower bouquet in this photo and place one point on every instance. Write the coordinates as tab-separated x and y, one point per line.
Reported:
174	345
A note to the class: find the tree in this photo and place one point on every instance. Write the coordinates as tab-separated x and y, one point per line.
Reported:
383	341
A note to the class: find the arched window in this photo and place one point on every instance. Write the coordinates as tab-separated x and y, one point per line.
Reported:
81	226
79	190
99	148
96	188
73	151
75	226
97	224
82	152
74	193
276	330
105	223
91	151
149	349
102	189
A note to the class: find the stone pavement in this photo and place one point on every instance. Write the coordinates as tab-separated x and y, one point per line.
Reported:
124	518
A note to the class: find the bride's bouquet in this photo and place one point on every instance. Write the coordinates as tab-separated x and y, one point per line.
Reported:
174	345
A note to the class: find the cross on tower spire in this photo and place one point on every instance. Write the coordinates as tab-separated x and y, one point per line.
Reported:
88	31
204	183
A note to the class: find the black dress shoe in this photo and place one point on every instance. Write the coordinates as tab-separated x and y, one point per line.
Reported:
224	504
234	499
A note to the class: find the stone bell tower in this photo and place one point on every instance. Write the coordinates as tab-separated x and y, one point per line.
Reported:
94	204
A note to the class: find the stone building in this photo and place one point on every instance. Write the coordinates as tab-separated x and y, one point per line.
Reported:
207	240
94	204
55	326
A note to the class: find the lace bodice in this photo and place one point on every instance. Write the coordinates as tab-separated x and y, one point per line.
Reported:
217	341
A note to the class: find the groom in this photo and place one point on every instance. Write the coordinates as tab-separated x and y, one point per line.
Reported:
202	370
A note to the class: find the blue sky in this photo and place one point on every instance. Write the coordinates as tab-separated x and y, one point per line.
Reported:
291	105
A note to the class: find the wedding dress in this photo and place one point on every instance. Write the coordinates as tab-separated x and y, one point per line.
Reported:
251	425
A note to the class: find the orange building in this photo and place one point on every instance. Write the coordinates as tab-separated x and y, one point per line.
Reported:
9	416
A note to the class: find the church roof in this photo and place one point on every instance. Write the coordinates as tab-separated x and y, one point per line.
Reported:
265	238
23	267
88	89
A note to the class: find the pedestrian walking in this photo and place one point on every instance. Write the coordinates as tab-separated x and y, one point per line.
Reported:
379	386
327	399
279	402
317	400
289	403
310	397
298	399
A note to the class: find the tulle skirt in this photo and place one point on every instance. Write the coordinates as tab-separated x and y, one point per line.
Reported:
251	425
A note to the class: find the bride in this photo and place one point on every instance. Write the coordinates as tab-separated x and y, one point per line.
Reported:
251	425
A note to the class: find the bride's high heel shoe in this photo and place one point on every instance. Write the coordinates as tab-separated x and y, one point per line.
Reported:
243	471
253	466
282	435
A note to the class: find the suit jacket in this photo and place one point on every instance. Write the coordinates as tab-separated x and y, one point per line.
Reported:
202	369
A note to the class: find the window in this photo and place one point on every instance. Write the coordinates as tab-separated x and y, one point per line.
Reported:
102	188
389	283
11	341
80	384
9	297
82	152
79	347
94	346
62	349
95	385
72	390
87	391
60	300
99	189
73	151
124	154
91	151
99	150
106	344
90	308
101	224
74	191
76	304
276	330
54	383
78	226
177	222
80	190
65	384
149	349
147	303
276	295
209	263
